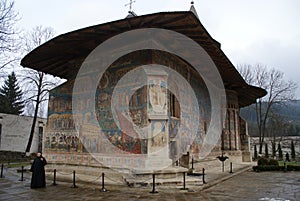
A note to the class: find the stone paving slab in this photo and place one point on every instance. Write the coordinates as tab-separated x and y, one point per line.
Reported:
212	173
275	186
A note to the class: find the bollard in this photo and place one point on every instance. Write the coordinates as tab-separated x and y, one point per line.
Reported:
184	188
192	162
203	177
153	184
22	174
103	189
285	167
231	168
54	178
74	185
1	176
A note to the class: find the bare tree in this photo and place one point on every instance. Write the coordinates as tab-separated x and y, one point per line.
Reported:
246	71
37	36
8	33
38	83
279	91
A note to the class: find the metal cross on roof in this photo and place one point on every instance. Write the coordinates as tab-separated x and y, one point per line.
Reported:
130	5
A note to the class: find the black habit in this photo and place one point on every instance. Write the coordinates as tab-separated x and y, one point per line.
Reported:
38	179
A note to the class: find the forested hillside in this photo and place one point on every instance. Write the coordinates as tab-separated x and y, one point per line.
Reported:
289	112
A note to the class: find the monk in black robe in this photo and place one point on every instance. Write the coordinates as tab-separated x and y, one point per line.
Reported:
38	179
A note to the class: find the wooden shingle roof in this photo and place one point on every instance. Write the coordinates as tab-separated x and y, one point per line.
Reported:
63	55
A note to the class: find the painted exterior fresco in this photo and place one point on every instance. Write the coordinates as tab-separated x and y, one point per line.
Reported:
66	144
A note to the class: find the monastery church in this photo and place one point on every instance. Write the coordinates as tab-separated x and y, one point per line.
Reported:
142	106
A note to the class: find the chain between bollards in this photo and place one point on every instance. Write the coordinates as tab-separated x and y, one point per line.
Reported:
103	188
153	184
203	176
74	184
54	178
1	176
22	174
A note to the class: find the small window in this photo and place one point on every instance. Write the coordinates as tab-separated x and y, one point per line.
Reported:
174	106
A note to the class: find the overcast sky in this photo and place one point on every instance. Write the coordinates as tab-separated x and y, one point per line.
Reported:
251	32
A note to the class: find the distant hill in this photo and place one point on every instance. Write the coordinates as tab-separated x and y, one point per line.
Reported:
290	111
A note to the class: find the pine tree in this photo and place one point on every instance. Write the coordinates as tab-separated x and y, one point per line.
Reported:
280	154
293	153
255	152
287	157
11	96
273	149
266	151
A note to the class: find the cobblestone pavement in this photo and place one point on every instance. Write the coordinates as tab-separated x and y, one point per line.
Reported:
275	186
246	186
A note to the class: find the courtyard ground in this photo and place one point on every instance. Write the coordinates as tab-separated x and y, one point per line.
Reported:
243	184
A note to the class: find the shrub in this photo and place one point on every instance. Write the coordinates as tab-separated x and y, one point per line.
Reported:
267	168
275	168
293	168
265	161
273	162
262	161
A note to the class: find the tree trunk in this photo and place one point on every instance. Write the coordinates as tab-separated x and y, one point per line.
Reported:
32	129
35	113
259	125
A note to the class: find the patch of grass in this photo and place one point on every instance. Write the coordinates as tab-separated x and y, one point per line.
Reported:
14	165
281	163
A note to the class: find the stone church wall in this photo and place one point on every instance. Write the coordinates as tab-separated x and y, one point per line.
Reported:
69	145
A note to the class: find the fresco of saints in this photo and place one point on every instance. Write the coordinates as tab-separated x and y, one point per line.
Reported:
157	95
158	134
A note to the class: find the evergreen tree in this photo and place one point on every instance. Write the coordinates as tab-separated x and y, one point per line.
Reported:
11	96
293	153
287	157
266	151
255	152
280	151
273	149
